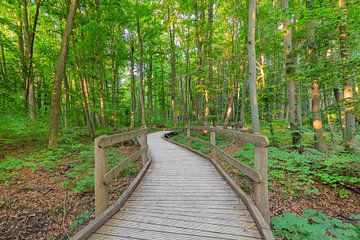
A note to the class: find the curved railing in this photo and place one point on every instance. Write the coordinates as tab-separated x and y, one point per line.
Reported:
259	174
103	175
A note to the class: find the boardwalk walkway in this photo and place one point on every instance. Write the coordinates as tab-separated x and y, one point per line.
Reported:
182	196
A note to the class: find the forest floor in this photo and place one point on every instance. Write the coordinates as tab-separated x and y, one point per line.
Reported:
48	194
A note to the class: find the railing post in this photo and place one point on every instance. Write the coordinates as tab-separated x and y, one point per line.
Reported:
188	135
213	142
143	144
261	188
101	189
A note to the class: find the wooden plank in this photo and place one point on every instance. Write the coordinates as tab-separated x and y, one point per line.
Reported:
248	229
107	141
89	229
254	175
204	218
176	230
121	166
145	234
257	139
195	212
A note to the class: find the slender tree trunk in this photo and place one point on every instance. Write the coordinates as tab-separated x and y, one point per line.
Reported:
3	63
141	85
230	106
328	118
59	76
29	46
348	88
315	91
132	83
150	90
209	57
317	123
173	67
22	56
101	73
66	101
243	102
289	72
199	71
255	122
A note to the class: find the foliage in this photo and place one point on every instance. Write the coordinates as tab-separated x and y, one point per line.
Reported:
312	225
80	219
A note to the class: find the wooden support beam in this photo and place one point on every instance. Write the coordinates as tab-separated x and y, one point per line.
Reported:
254	175
107	141
213	143
121	166
101	190
261	188
188	135
143	143
256	139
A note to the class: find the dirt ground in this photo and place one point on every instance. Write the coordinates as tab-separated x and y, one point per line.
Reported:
326	200
35	206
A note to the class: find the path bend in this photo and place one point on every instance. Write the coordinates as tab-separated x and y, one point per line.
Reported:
181	196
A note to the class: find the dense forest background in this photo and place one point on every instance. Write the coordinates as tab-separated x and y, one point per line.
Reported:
82	68
183	61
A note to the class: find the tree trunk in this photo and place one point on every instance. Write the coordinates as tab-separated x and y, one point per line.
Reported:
255	122
29	46
59	75
209	57
348	88
141	85
132	83
315	91
173	67
66	101
3	63
199	71
317	123
289	72
150	90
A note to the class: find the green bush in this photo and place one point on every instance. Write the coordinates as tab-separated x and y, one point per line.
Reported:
312	225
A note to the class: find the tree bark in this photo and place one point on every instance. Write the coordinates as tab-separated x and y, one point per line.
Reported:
173	67
199	71
209	57
132	83
141	85
348	88
289	72
59	76
255	122
29	46
315	89
150	89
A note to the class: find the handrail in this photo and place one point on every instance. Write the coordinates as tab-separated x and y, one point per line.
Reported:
103	175
259	174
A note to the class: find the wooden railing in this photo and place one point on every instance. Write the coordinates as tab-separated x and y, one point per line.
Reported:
258	174
103	175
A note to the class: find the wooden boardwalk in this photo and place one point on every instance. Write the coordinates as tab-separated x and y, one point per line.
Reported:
181	196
